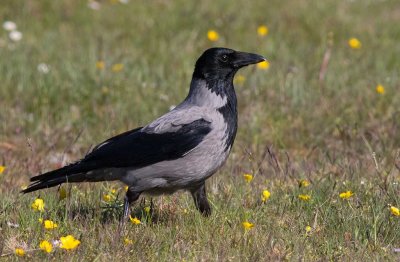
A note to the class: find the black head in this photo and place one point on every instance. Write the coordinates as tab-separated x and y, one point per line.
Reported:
223	63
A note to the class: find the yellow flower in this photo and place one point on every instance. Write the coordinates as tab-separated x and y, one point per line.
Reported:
146	209
354	43
2	168
239	79
107	197
126	188
304	197
38	204
69	242
304	183
265	195
40	220
62	193
247	225
308	229
46	246
20	252
346	195
212	35
262	30
113	191
248	177
48	224
263	65
134	220
100	65
395	211
128	241
117	67
380	89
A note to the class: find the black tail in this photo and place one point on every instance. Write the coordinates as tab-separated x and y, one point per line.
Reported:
72	173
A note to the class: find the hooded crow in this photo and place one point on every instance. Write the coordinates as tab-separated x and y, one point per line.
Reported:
179	150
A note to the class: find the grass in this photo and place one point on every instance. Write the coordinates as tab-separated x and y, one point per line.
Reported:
303	118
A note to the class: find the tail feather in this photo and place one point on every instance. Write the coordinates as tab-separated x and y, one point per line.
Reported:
72	173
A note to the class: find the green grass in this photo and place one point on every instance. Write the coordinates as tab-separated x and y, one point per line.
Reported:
337	132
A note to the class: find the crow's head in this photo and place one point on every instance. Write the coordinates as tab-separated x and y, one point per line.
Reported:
223	63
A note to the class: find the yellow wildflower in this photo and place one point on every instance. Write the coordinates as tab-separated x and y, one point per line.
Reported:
48	224
304	183
263	65
2	168
40	220
113	191
147	209
100	65
354	43
117	68
107	197
134	220
248	177
128	241
20	252
380	89
308	229
265	195
239	79
262	30
46	246
212	35
395	211
304	197
346	195
38	204
247	225
126	188
62	193
69	242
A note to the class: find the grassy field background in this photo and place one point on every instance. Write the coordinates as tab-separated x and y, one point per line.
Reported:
314	115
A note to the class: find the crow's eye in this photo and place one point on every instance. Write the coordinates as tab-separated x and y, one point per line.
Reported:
224	58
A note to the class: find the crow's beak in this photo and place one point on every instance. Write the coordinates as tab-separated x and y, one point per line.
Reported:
244	59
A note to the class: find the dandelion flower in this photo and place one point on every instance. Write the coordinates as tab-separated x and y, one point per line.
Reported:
248	177
135	220
308	229
212	35
262	30
346	195
264	65
117	68
380	89
128	241
15	36
304	197
69	242
247	225
239	79
107	197
100	65
265	195
38	205
48	224
2	168
113	191
9	26
354	43
46	246
304	183
395	211
20	252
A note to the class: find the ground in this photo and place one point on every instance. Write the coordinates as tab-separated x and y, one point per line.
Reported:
324	112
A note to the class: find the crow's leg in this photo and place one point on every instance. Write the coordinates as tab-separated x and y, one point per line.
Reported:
130	197
200	199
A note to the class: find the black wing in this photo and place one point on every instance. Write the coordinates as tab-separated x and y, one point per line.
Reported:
133	149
